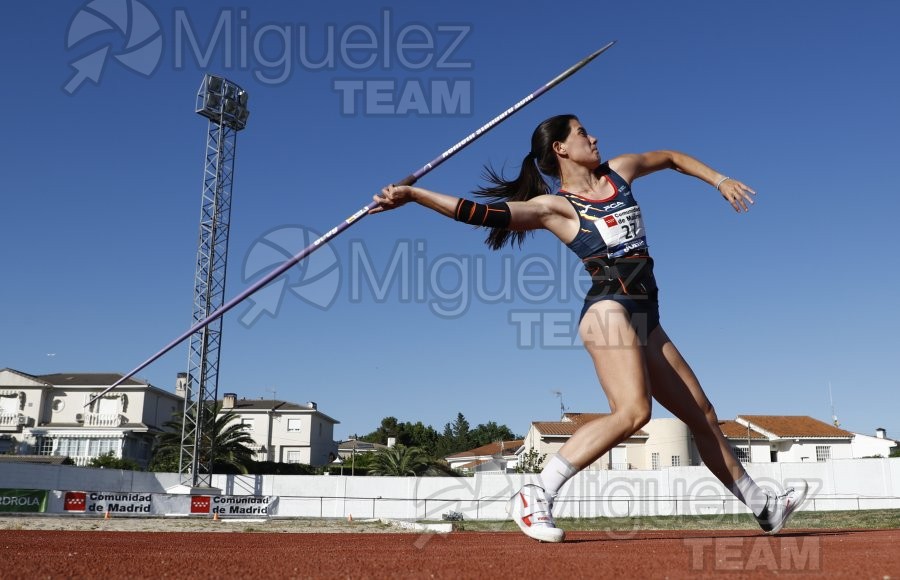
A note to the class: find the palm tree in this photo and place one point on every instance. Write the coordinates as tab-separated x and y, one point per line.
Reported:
400	460
231	444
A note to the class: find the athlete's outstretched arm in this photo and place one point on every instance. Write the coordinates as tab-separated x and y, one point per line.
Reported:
543	211
632	166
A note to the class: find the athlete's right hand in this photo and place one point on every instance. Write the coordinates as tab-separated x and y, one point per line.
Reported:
392	197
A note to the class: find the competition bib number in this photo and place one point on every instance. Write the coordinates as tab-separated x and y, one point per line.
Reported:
623	230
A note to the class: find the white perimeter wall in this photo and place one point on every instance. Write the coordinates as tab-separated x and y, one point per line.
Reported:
849	484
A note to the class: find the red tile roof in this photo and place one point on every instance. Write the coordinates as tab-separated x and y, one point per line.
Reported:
472	464
734	430
582	418
795	426
571	422
509	448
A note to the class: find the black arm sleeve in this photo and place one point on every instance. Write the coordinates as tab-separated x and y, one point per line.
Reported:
493	215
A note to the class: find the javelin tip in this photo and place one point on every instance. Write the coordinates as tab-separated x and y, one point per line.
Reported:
601	50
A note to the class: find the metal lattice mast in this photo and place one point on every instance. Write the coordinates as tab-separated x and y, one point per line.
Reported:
224	104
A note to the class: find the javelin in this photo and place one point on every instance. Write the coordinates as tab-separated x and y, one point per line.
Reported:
408	180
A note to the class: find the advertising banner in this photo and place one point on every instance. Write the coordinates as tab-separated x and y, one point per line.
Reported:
200	504
243	505
104	501
23	500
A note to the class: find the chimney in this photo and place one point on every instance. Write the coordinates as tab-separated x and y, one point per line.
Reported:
312	405
881	433
181	385
392	441
228	400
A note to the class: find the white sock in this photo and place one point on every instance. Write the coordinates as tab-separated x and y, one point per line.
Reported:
746	490
556	473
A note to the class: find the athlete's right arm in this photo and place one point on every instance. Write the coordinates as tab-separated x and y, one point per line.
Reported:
542	212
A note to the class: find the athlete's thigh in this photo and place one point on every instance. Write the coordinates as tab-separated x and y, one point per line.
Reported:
615	348
673	382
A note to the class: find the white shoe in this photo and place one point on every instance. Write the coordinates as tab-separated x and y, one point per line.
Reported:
531	508
780	508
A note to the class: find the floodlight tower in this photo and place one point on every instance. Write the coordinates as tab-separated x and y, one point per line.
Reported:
224	104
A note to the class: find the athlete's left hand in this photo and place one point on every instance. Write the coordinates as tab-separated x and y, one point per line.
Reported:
392	197
738	194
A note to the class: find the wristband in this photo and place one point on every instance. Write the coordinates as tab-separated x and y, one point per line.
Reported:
721	181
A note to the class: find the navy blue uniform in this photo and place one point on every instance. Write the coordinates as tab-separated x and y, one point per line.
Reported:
612	243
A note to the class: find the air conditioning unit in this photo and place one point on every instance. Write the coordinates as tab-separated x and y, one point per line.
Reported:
79	418
23	420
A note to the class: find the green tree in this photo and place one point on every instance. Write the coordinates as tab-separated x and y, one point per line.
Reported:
399	460
409	434
895	452
490	432
455	437
531	461
229	441
110	461
389	427
422	436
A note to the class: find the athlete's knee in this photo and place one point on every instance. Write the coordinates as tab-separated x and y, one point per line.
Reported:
703	418
709	413
635	415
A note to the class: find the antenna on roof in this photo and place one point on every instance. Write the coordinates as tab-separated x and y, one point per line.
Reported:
562	407
834	418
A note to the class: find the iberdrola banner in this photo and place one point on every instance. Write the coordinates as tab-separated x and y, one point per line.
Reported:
23	500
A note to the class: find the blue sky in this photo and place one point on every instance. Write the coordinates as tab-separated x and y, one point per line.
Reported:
100	195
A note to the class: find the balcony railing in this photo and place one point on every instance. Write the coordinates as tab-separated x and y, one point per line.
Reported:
620	466
11	419
103	420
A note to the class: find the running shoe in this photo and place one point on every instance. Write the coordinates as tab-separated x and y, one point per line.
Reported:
780	508
531	508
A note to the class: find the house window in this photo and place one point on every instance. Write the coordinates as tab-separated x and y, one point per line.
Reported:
248	424
320	429
676	460
294	457
654	461
742	453
45	446
9	404
294	425
108	406
86	447
823	452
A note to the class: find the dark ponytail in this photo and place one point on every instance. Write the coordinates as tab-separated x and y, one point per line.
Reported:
530	181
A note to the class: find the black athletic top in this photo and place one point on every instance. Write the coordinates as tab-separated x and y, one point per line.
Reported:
611	227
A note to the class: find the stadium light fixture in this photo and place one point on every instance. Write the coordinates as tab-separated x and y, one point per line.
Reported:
223	101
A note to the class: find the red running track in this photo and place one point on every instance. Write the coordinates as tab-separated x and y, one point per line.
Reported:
483	555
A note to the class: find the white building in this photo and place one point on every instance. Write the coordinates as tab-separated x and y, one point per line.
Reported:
667	442
877	446
50	415
497	457
797	438
547	437
286	432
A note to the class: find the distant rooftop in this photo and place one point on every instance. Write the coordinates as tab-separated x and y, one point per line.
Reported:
86	379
